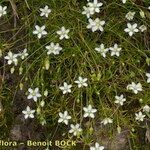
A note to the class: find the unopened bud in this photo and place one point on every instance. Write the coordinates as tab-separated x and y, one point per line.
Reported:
0	53
43	122
119	129
42	103
46	93
91	130
38	110
12	70
78	100
1	107
47	64
142	14
21	86
20	70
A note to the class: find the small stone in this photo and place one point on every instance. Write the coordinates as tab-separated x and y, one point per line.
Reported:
15	133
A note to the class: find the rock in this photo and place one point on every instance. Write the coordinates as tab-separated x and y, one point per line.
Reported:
15	133
117	141
148	135
120	141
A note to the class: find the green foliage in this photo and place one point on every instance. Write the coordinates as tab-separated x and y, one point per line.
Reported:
107	77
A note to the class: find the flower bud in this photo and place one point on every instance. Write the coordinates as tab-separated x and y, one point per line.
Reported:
47	64
0	53
142	14
12	70
20	70
21	86
46	93
119	129
42	103
38	110
91	130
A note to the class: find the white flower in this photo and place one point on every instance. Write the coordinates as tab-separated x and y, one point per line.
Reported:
95	6
135	87
120	99
149	7
96	24
24	54
87	11
106	121
97	147
131	29
63	33
3	10
66	88
28	113
11	58
146	108
81	82
115	50
75	129
124	1
148	77
39	31
102	50
64	117
33	94
139	116
143	28
45	11
89	111
53	48
130	15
